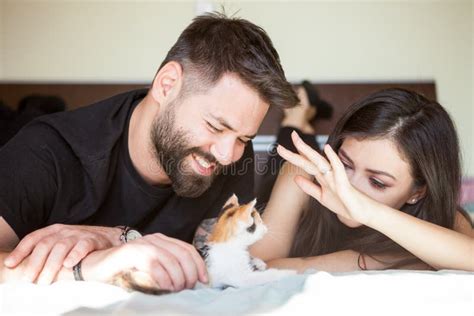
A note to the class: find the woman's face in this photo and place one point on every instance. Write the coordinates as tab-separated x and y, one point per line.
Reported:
377	168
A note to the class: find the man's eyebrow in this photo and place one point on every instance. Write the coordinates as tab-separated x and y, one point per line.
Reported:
346	156
224	123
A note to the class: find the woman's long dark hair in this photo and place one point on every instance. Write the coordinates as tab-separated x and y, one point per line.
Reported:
426	137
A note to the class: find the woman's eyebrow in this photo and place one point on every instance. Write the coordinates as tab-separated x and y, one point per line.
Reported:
382	173
346	156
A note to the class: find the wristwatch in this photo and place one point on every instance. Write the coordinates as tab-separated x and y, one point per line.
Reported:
128	234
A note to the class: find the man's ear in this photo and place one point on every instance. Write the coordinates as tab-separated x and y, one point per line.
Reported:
417	195
168	82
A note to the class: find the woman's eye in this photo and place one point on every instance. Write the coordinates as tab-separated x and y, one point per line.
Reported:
346	166
213	128
377	184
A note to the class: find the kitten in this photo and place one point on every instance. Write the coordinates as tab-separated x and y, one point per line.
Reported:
226	250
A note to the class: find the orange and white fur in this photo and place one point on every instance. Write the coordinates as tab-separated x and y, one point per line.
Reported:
227	257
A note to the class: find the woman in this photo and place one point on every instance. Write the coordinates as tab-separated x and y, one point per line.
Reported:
385	193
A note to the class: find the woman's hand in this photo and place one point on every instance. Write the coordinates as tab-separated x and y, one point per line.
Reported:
334	191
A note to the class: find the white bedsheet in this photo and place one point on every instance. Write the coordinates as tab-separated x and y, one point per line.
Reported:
321	293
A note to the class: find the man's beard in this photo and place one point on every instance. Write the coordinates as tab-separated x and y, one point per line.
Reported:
171	148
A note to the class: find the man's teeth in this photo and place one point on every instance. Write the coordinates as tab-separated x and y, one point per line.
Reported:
204	163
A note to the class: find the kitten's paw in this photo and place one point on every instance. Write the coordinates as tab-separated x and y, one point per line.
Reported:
258	264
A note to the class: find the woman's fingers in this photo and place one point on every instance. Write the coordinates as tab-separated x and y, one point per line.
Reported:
298	160
310	153
337	165
309	187
303	163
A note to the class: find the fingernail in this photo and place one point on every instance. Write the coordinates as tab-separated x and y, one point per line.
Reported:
8	261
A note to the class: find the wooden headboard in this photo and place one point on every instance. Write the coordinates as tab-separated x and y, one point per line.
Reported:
340	95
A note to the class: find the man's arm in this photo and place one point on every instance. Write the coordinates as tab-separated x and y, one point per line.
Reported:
171	263
47	250
32	167
8	237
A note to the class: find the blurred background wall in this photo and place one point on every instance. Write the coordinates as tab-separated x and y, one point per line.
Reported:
323	41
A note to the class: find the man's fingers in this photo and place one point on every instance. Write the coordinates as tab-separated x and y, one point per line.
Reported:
54	263
27	244
37	260
172	267
21	251
160	275
79	252
194	255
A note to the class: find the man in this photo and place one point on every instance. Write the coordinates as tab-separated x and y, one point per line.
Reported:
158	160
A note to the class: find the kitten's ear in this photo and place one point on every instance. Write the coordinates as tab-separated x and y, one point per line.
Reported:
231	201
251	204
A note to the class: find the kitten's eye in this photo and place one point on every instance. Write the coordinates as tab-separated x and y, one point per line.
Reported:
377	184
213	128
252	228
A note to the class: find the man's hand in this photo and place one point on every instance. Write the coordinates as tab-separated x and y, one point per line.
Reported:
50	248
171	263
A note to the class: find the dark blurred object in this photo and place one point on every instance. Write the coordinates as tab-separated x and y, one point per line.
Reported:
6	116
323	109
29	108
37	104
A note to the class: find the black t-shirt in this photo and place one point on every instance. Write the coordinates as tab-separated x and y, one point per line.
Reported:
75	168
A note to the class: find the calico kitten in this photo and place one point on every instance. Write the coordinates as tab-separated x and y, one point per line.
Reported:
226	250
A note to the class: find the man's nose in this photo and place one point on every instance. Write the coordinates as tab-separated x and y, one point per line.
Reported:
224	150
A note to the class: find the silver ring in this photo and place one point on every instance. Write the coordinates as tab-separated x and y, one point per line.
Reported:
325	171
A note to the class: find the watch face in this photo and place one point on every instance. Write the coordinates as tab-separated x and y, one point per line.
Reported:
133	234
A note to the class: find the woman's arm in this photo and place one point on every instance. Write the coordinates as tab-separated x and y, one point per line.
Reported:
439	247
341	261
281	215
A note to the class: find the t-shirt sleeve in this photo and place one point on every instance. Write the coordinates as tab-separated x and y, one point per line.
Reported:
27	178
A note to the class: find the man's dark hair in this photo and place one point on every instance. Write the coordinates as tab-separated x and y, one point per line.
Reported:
214	44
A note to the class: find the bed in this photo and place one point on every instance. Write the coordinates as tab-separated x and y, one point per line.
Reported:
314	293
